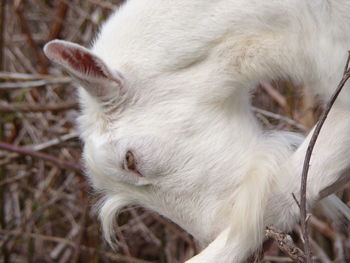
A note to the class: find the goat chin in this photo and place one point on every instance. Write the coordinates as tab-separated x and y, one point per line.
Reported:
166	118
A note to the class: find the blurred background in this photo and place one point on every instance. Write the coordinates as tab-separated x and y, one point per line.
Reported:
46	203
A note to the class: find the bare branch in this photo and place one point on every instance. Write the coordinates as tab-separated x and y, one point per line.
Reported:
40	155
303	215
57	25
285	243
33	84
23	76
56	141
42	62
279	117
114	256
25	107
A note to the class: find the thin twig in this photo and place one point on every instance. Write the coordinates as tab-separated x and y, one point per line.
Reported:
55	239
105	5
25	76
33	84
3	224
296	200
323	228
279	117
275	95
2	32
285	243
55	141
57	25
25	107
277	259
42	62
78	243
320	253
306	165
44	145
40	155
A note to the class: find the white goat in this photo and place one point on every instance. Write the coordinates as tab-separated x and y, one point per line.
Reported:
166	116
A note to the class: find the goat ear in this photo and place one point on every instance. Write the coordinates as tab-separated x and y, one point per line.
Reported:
92	73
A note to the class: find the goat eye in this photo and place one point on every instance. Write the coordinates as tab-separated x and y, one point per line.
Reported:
130	162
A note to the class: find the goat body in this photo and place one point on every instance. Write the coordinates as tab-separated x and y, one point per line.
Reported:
166	119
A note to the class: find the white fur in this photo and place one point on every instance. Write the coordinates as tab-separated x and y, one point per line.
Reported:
189	67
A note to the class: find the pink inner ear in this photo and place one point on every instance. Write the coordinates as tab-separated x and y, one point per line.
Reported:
75	58
85	62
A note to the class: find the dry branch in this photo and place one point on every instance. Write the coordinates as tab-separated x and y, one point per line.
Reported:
285	243
114	256
25	107
24	76
277	259
40	155
275	95
56	141
303	215
279	117
33	84
57	25
2	32
26	30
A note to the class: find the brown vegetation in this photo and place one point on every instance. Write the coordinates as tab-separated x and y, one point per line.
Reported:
46	204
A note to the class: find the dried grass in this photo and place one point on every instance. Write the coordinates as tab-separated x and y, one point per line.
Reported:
45	201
